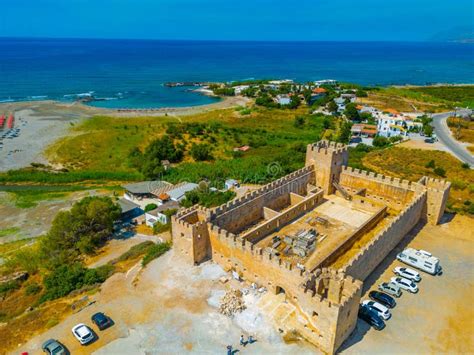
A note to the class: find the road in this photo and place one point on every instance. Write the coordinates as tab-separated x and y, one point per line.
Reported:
444	135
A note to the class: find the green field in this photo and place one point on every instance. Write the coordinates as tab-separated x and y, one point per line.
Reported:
103	144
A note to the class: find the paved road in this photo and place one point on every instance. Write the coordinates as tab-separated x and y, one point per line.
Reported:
444	135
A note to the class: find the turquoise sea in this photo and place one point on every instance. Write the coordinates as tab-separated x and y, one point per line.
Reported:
131	73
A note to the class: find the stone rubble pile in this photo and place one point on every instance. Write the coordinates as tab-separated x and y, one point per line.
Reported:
232	303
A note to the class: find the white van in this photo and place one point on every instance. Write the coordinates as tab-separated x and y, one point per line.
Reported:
421	259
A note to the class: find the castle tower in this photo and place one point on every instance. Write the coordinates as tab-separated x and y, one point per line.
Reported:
328	158
437	196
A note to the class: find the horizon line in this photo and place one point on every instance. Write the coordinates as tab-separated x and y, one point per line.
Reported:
226	40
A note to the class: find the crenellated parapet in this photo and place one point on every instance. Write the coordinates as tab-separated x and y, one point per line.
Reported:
327	147
383	179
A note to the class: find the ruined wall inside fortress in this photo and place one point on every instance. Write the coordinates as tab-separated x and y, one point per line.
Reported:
364	262
240	213
281	219
378	187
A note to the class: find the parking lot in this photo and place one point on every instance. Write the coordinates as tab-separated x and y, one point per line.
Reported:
439	318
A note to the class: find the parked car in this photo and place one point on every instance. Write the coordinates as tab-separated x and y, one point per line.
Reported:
383	298
101	320
54	347
381	310
405	284
371	317
83	333
407	273
390	288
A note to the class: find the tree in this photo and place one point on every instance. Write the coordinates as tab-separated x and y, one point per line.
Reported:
380	142
345	133
201	152
440	172
361	93
158	150
79	231
351	112
332	106
428	130
294	102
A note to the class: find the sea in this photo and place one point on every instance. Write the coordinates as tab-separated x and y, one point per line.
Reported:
132	73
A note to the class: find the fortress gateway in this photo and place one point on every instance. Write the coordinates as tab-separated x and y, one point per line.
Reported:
315	235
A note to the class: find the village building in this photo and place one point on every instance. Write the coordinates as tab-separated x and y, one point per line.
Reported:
313	236
363	130
231	183
158	216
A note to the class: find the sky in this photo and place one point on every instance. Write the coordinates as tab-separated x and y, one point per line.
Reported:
329	20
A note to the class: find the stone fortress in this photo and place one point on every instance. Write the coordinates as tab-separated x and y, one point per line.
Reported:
314	235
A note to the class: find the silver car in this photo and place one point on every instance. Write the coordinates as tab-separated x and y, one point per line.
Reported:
390	288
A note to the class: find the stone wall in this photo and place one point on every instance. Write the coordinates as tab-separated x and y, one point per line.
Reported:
438	193
240	213
364	262
284	217
328	159
378	187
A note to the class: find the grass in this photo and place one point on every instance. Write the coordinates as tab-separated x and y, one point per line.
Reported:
412	164
103	143
462	130
461	95
154	252
9	231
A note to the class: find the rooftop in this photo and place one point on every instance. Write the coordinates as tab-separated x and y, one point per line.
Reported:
147	187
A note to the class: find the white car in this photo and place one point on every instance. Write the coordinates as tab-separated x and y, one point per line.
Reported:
405	284
407	273
381	310
83	333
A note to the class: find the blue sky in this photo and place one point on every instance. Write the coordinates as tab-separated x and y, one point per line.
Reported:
405	20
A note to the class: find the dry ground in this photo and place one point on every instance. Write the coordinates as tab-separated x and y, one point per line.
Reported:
171	308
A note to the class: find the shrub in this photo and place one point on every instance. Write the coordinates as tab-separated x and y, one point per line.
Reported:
431	164
32	289
7	287
150	207
201	152
154	252
465	166
380	142
67	278
135	251
440	172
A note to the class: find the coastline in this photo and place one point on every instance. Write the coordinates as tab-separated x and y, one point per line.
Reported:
42	123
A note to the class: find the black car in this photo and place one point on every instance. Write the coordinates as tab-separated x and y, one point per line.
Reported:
371	317
383	298
101	320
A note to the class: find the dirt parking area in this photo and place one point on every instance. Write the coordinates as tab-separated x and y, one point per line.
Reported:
440	317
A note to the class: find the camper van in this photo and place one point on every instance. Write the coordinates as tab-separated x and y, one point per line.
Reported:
421	259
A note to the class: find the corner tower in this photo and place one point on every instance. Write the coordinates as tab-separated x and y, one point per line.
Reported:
328	158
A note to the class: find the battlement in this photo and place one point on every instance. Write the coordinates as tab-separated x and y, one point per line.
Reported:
396	182
433	183
328	147
395	230
237	202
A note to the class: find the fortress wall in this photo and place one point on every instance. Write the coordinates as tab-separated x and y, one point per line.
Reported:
263	190
330	323
379	187
240	213
364	262
252	263
283	218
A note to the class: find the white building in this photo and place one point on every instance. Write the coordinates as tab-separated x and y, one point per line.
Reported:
392	126
283	99
158	214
